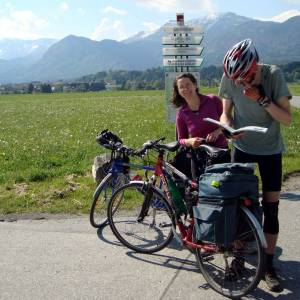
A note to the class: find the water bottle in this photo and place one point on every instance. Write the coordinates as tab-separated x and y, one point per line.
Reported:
179	205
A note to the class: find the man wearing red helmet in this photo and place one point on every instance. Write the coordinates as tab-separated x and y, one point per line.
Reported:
257	94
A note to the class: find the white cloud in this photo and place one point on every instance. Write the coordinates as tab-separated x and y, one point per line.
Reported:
151	26
64	7
21	24
110	9
179	5
108	29
283	16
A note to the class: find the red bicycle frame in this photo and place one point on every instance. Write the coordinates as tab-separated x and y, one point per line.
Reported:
186	232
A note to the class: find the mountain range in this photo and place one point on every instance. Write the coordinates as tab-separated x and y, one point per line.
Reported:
73	56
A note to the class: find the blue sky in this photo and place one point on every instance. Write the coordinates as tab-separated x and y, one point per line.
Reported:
101	19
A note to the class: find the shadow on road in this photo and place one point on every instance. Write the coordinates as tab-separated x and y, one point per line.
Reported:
290	196
101	235
166	261
289	272
172	262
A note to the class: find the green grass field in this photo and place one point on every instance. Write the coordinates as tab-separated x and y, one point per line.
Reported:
47	143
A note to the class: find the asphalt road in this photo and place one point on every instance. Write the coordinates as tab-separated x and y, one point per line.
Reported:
66	258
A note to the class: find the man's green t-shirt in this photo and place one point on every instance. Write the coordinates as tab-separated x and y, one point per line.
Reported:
247	112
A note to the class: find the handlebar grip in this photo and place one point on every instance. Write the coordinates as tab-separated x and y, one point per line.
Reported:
140	152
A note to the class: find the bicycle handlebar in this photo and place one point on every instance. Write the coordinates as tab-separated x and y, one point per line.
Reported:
148	145
111	141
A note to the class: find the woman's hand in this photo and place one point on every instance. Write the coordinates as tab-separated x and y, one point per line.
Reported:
193	142
213	136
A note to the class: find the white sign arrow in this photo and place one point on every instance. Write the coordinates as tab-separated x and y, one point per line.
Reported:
182	40
181	62
182	51
183	29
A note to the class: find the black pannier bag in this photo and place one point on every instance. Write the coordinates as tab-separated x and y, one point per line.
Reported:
215	221
182	161
220	188
228	180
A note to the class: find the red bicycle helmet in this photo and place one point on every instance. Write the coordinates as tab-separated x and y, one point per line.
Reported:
240	60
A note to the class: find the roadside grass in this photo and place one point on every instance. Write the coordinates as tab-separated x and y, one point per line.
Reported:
294	89
291	134
44	138
47	144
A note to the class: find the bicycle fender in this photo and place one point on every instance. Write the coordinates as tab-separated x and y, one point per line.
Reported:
256	225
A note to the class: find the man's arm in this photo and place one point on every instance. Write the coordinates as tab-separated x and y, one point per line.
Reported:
281	111
226	116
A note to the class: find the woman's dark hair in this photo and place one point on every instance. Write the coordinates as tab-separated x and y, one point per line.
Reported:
177	100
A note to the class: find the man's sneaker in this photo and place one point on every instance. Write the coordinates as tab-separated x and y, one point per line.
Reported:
238	266
236	269
272	280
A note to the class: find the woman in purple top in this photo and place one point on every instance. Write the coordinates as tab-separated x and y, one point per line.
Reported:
193	107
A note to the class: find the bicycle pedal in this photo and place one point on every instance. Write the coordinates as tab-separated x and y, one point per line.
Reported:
230	275
164	225
207	257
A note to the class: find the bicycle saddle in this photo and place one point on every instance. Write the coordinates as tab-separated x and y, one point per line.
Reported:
213	151
172	147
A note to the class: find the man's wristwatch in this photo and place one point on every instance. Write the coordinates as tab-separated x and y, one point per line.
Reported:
265	102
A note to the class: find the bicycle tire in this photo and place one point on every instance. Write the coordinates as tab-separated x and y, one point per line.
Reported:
234	272
152	233
101	197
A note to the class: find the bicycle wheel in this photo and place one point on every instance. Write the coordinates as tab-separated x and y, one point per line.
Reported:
146	234
235	271
101	197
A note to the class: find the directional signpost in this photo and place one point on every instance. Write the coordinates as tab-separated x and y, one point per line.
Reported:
182	40
181	53
182	62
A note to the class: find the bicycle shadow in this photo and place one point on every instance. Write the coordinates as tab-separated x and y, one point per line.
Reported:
163	260
290	196
289	273
174	244
168	261
101	236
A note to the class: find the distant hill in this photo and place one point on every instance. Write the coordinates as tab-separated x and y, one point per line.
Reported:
76	56
11	49
73	56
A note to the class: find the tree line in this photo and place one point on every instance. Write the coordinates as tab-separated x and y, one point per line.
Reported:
151	79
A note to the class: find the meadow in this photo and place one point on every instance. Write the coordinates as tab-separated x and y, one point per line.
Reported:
47	143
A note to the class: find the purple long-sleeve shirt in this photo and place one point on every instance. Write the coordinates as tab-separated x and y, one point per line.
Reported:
190	123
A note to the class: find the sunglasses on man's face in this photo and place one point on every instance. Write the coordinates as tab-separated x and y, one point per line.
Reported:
248	78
